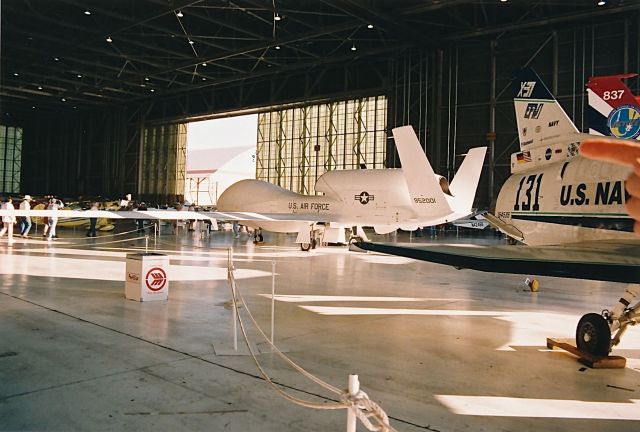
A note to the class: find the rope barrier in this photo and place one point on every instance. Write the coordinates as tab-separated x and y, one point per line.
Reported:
367	411
103	243
266	377
102	236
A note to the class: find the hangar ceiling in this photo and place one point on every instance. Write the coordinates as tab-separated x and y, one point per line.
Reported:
66	54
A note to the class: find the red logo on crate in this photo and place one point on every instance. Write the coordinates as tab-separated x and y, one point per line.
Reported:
156	279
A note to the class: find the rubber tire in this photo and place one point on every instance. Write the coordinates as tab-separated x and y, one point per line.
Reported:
305	246
355	239
593	335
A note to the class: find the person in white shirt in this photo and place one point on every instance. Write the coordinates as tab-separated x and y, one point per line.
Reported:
25	221
54	204
8	221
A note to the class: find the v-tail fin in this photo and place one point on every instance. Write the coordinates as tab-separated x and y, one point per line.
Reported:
424	187
464	184
539	115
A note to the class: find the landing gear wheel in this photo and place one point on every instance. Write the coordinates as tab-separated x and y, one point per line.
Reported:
593	335
305	246
355	239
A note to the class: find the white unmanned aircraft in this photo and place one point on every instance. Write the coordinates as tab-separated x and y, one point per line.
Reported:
387	199
568	209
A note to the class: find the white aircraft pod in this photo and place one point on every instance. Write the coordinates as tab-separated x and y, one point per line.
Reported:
407	198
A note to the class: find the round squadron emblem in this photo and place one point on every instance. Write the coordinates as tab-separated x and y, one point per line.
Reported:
624	122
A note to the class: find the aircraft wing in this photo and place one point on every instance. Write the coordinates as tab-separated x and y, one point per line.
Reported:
164	215
604	261
273	217
145	214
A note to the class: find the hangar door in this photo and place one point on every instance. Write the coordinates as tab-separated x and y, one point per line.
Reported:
296	146
163	158
10	159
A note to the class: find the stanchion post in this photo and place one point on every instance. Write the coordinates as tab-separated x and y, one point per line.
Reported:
146	244
234	313
273	298
354	388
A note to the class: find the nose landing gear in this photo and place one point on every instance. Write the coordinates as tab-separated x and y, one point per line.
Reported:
594	331
593	335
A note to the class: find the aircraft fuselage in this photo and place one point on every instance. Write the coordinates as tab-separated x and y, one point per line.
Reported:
569	199
364	197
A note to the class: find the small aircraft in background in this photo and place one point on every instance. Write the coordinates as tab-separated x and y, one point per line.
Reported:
613	108
475	221
387	199
568	210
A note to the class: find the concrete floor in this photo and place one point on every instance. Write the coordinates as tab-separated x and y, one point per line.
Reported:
438	349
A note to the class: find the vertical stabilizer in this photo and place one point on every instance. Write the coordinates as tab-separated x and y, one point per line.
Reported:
613	109
424	187
540	117
464	184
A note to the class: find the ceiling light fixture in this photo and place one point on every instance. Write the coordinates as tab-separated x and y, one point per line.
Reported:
87	12
33	107
204	64
39	87
146	78
179	14
63	100
56	59
276	17
353	47
204	79
602	3
277	47
79	76
109	39
152	90
16	74
370	26
190	42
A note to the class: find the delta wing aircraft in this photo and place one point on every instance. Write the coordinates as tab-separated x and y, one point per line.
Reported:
387	199
569	210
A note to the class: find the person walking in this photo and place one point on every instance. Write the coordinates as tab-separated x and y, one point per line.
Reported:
93	221
54	204
140	222
8	221
25	221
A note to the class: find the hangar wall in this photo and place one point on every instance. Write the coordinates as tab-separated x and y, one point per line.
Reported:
81	153
10	159
460	96
456	97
